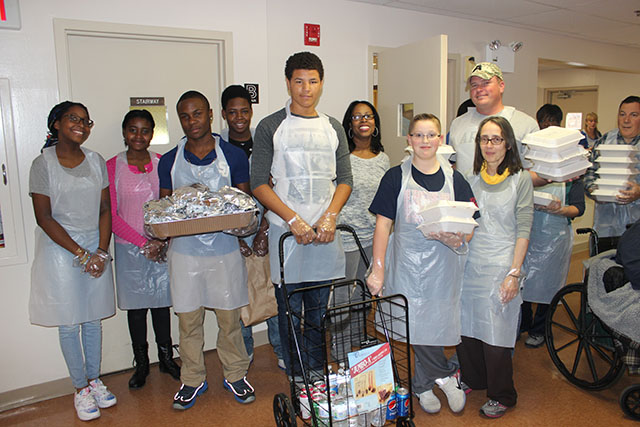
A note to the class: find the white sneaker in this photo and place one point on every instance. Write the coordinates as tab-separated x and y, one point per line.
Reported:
281	364
104	398
429	402
85	404
452	389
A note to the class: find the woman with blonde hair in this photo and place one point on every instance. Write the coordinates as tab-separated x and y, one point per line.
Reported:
590	132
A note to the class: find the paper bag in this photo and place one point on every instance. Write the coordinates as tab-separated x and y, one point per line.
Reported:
262	293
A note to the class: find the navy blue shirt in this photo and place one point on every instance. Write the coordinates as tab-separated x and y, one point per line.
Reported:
236	158
385	202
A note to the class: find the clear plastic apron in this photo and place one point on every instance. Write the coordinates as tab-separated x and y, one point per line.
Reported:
491	250
303	170
549	254
609	218
206	270
141	283
62	294
426	272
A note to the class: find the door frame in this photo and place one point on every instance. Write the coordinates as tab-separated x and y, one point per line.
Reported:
63	28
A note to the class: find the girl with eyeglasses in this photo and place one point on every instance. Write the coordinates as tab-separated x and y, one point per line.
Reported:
71	276
428	271
142	276
490	291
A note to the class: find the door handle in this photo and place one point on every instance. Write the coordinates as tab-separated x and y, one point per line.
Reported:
4	174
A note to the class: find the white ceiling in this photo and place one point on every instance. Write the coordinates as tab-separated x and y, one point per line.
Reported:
608	21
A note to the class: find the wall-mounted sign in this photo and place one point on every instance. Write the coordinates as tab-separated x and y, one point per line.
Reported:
155	105
311	35
9	15
254	91
574	121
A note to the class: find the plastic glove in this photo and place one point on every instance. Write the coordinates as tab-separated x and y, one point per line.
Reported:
152	249
454	241
302	231
245	250
81	257
326	227
96	264
261	241
375	277
509	287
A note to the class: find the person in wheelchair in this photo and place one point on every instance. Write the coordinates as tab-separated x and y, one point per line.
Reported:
614	294
549	254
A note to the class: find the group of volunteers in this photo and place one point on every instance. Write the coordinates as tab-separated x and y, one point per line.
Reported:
309	172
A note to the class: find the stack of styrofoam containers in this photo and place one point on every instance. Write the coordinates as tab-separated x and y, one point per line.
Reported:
555	153
617	165
449	216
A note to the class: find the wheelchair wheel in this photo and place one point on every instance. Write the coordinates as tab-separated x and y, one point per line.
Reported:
578	343
630	401
283	411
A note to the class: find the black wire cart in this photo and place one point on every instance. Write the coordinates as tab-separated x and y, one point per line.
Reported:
338	318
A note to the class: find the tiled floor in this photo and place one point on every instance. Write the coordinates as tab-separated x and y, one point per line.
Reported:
545	398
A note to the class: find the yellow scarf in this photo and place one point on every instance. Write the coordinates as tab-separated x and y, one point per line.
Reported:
495	179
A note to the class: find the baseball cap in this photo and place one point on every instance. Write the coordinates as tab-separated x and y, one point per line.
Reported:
486	70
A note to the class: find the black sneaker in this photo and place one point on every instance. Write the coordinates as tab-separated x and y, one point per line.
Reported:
185	398
242	390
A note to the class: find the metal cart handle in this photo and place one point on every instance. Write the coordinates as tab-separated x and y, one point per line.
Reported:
342	227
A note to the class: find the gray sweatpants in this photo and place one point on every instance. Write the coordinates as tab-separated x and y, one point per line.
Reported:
431	364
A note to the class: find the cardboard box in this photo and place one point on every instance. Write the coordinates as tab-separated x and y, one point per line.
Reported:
202	225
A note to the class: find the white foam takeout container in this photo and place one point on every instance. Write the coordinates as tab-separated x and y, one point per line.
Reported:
572	169
554	154
617	150
611	184
446	150
553	137
447	208
616	162
541	198
617	173
448	224
605	195
559	162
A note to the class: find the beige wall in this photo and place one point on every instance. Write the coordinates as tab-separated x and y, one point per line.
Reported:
613	87
265	33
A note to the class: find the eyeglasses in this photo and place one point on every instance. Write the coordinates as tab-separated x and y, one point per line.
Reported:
358	117
420	136
75	119
496	140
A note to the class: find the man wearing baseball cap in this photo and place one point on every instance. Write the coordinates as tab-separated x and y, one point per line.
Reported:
486	86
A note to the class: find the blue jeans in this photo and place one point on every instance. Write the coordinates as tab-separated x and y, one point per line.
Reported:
83	361
274	337
310	342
